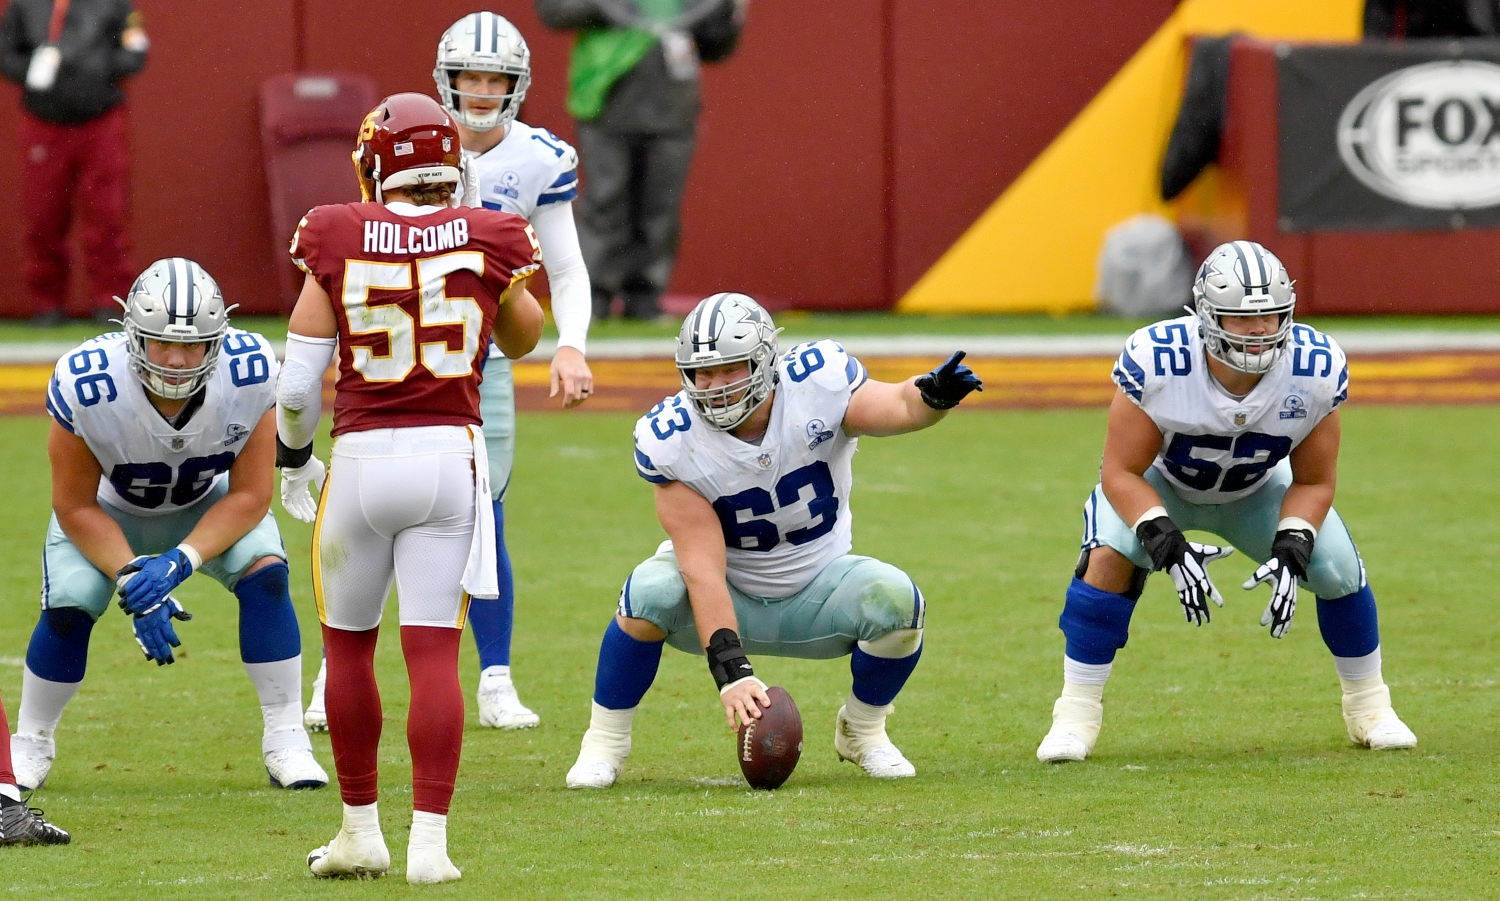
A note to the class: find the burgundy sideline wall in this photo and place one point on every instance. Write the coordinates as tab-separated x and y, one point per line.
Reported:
842	149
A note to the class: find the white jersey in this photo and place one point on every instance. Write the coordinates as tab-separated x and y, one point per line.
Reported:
783	503
1215	447
530	168
149	467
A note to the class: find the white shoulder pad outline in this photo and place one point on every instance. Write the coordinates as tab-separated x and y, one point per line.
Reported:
657	443
825	363
84	376
1315	355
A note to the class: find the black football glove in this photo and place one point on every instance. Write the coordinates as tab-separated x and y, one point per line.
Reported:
944	387
1291	551
1184	561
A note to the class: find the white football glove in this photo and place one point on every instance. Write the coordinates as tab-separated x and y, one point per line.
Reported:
1194	588
300	488
1283	603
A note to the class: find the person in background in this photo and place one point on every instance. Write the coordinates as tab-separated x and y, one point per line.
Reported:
1431	18
70	56
633	87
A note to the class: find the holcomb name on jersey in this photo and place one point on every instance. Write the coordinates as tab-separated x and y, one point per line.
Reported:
1217	448
783	503
149	467
530	168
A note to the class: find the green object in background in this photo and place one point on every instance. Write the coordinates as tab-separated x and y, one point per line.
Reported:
602	56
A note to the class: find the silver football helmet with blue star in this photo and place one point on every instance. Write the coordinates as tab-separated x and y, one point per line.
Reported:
176	301
1242	278
483	42
723	330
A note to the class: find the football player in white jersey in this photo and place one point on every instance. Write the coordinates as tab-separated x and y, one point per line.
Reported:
482	73
751	464
162	444
1225	421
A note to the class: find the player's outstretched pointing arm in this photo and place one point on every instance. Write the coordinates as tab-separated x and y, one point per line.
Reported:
698	540
882	408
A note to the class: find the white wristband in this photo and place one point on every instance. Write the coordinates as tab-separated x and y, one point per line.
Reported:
1153	513
192	554
1297	522
739	681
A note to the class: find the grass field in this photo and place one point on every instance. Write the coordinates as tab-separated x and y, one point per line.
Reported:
1223	771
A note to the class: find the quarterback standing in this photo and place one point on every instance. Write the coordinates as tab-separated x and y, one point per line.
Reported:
161	446
408	290
1225	421
752	466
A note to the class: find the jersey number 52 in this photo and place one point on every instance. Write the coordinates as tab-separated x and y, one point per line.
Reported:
400	330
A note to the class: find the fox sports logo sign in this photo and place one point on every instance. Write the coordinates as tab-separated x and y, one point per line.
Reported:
1428	135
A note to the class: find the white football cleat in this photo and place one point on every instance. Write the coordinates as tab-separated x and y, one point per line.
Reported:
1372	722
499	706
358	856
31	759
295	768
430	866
1075	728
594	772
869	746
316	717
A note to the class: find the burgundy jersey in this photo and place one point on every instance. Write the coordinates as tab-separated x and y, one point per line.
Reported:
415	298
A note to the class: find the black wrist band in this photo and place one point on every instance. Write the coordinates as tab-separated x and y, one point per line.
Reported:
291	458
1294	547
726	658
1160	537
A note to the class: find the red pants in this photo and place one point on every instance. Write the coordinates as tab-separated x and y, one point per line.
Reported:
86	164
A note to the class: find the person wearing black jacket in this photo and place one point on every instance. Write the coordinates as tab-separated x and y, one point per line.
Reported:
70	56
634	89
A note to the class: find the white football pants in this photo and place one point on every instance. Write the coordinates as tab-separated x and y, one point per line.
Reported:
398	503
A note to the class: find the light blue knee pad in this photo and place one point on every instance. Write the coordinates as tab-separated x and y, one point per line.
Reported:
852	599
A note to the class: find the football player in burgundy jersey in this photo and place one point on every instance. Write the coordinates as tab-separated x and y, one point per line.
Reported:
409	290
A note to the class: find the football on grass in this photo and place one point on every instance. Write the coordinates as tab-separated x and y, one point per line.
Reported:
769	747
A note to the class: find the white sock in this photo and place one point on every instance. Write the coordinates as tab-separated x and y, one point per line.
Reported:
428	830
866	718
363	819
1075	673
9	790
1358	669
42	703
279	685
609	732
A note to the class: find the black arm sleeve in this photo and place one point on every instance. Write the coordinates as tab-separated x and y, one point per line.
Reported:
15	50
719	33
124	62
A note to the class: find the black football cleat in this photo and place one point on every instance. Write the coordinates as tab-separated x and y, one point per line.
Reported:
22	825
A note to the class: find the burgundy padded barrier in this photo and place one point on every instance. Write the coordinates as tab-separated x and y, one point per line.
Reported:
308	126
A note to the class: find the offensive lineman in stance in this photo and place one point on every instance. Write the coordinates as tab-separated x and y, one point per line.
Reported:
1225	421
752	467
161	445
420	288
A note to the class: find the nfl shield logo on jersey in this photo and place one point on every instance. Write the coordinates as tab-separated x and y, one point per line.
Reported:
177	443
764	460
1295	408
1239	419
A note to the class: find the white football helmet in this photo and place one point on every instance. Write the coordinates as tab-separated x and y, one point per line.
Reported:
483	42
723	329
1242	278
174	300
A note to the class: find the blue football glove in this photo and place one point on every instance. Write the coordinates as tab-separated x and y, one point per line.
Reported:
145	585
154	632
945	386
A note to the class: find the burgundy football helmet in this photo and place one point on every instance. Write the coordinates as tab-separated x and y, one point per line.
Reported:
407	139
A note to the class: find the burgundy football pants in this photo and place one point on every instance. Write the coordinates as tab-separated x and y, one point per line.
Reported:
84	168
